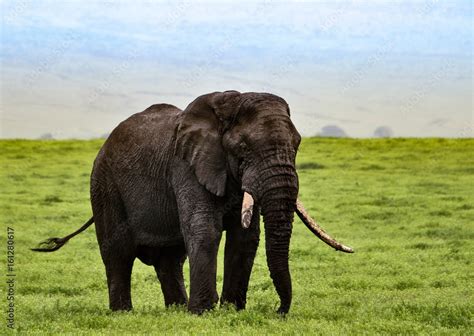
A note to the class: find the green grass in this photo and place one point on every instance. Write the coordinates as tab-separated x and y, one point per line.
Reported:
405	205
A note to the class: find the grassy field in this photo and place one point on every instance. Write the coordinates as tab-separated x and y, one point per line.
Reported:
405	205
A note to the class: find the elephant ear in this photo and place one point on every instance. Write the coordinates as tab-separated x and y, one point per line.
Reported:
199	141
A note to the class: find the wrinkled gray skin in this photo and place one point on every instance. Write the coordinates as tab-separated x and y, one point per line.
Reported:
167	183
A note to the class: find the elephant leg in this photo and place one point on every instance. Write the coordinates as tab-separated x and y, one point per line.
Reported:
240	249
169	269
118	256
119	272
116	248
202	243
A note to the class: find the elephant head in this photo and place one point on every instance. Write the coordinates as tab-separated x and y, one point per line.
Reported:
250	138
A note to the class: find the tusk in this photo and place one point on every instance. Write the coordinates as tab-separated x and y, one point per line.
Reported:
247	210
318	231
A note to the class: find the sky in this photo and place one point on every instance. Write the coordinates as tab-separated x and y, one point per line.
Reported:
75	69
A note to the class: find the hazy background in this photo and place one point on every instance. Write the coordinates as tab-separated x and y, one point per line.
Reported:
75	69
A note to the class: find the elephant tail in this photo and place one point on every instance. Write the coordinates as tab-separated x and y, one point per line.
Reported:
54	244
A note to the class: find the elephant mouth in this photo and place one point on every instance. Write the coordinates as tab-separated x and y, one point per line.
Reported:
318	231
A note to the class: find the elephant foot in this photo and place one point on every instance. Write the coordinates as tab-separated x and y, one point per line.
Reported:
239	304
283	310
200	307
121	307
198	310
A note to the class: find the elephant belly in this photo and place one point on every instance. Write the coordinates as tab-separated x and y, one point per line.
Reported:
156	229
152	212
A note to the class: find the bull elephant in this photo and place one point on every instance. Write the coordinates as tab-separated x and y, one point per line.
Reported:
167	183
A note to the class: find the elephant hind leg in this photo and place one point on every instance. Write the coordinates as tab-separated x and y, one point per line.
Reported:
118	254
113	234
169	269
119	271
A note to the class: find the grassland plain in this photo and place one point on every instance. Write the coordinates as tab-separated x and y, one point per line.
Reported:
405	205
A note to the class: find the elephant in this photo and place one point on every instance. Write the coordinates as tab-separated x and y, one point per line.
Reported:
168	182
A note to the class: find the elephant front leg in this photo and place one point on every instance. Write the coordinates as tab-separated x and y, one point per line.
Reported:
240	249
202	245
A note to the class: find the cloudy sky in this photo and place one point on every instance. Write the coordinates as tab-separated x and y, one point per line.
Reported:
77	68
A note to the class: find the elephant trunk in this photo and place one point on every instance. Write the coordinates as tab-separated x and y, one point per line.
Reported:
274	184
278	207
